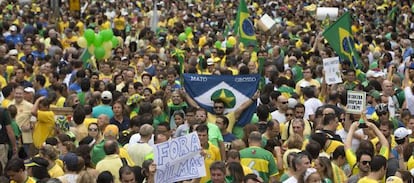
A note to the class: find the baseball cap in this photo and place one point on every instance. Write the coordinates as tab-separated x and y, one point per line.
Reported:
401	133
13	52
70	159
210	61
29	90
374	93
111	130
394	179
13	28
35	161
106	95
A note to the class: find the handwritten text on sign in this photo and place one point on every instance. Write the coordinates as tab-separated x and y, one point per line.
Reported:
179	159
356	102
332	70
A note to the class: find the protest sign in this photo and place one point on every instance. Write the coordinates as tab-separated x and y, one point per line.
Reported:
323	12
332	70
356	102
179	159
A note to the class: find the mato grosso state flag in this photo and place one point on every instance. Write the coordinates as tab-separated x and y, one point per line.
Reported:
243	26
232	90
339	36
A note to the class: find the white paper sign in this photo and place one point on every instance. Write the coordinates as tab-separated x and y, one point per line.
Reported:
322	12
332	70
356	102
179	159
266	22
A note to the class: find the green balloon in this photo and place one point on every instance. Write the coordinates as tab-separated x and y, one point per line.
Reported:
98	41
182	37
99	53
188	30
107	34
89	36
115	42
217	44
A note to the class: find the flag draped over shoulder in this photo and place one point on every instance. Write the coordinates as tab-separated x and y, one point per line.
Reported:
339	36
232	90
244	27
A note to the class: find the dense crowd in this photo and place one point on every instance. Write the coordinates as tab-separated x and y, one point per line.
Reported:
116	103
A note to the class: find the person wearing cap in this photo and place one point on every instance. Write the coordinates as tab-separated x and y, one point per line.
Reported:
110	133
37	167
15	37
16	171
104	107
401	137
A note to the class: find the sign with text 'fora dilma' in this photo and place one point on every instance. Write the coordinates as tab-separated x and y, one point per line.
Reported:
356	102
179	159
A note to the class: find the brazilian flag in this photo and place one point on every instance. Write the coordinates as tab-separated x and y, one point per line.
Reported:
339	36
244	27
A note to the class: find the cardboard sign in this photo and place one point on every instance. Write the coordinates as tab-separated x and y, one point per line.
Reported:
179	159
332	70
322	12
266	23
356	102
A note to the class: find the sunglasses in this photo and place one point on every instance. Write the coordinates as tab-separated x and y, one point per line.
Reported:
93	129
381	113
366	162
288	114
285	102
218	107
342	120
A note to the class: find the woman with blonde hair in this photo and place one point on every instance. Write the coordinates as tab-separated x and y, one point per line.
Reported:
324	167
158	112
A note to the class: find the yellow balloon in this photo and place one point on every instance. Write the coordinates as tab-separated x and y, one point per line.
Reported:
82	42
121	41
232	40
91	49
107	46
108	54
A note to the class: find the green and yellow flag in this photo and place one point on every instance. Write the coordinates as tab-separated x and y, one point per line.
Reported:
244	27
339	36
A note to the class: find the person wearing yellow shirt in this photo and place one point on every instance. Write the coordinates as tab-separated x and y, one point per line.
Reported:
8	94
354	160
63	24
212	153
16	170
69	39
119	24
45	124
106	24
378	169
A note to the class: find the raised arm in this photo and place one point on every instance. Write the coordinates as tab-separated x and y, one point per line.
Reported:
36	105
189	100
246	104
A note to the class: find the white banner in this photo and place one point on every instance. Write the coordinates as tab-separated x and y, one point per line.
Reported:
356	102
179	159
332	70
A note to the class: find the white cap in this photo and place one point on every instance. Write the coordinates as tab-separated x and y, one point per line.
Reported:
401	133
304	84
308	172
106	95
13	28
210	61
29	90
375	74
292	102
13	52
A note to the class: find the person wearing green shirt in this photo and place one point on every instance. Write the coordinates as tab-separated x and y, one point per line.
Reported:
258	159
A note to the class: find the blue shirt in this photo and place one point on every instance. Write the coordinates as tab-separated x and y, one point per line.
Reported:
229	137
122	125
75	87
14	39
102	109
42	92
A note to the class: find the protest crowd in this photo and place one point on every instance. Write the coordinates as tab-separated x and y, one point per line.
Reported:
206	91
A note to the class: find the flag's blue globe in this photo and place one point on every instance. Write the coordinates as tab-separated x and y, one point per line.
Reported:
226	96
247	27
